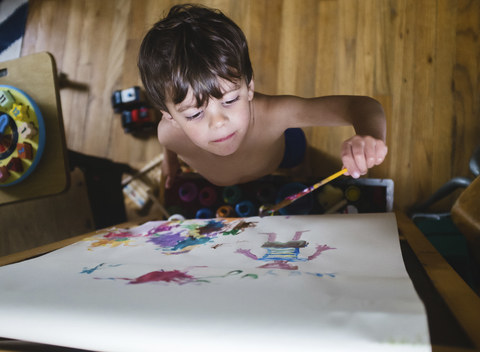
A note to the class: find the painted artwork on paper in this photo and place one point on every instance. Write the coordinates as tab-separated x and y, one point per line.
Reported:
338	282
174	237
181	237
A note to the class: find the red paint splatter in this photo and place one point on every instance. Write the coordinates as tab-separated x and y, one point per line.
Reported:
165	276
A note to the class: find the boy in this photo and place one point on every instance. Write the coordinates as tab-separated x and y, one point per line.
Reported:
196	69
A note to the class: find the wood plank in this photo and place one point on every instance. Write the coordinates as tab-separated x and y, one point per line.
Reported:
50	219
423	100
466	125
444	65
288	51
403	83
347	42
365	49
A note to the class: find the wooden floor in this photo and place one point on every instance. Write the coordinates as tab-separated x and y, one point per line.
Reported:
419	58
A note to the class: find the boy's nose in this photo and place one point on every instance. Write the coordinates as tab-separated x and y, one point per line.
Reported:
218	120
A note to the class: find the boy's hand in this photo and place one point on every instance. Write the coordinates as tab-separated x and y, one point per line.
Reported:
170	170
361	153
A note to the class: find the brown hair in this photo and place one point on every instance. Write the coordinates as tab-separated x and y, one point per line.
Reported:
192	47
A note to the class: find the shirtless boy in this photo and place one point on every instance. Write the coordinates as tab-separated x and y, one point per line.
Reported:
196	69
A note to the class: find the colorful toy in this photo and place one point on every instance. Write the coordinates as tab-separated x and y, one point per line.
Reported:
24	150
27	131
245	209
225	211
15	164
204	213
134	107
232	194
6	99
207	196
19	111
138	119
122	99
22	135
3	124
188	192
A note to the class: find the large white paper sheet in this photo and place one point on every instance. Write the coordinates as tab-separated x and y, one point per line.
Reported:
329	283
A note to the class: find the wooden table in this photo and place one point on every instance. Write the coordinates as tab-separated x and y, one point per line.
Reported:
453	309
36	75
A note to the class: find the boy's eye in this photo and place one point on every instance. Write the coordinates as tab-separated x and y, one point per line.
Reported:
193	116
229	102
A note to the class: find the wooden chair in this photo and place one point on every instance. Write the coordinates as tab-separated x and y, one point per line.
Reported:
466	216
452	185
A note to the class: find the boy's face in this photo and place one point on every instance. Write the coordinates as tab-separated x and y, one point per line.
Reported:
219	126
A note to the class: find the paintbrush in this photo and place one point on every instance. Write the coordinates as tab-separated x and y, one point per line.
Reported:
292	198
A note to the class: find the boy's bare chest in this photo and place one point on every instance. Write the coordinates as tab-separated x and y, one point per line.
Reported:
252	161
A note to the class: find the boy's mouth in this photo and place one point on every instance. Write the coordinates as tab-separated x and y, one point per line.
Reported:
224	139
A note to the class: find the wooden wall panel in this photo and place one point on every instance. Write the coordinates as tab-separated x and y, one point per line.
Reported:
419	58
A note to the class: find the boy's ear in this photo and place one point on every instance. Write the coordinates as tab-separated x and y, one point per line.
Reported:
169	117
251	89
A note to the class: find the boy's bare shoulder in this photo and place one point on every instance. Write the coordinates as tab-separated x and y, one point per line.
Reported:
171	137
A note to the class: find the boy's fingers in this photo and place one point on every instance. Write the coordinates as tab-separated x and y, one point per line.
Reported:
348	162
381	153
358	151
352	169
370	154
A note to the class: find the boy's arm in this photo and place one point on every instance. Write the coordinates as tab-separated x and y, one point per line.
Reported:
170	167
359	153
368	147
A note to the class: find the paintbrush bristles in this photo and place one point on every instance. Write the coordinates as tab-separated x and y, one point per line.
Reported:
292	198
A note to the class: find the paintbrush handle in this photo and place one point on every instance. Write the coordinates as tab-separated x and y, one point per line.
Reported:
292	198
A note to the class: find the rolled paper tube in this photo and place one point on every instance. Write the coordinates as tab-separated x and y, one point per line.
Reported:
245	209
225	211
204	213
232	194
207	196
266	193
188	192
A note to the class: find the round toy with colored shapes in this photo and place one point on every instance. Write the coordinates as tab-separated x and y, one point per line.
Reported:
22	135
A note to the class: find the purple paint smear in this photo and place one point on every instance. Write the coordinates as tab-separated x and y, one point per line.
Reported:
320	249
165	276
168	239
247	252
